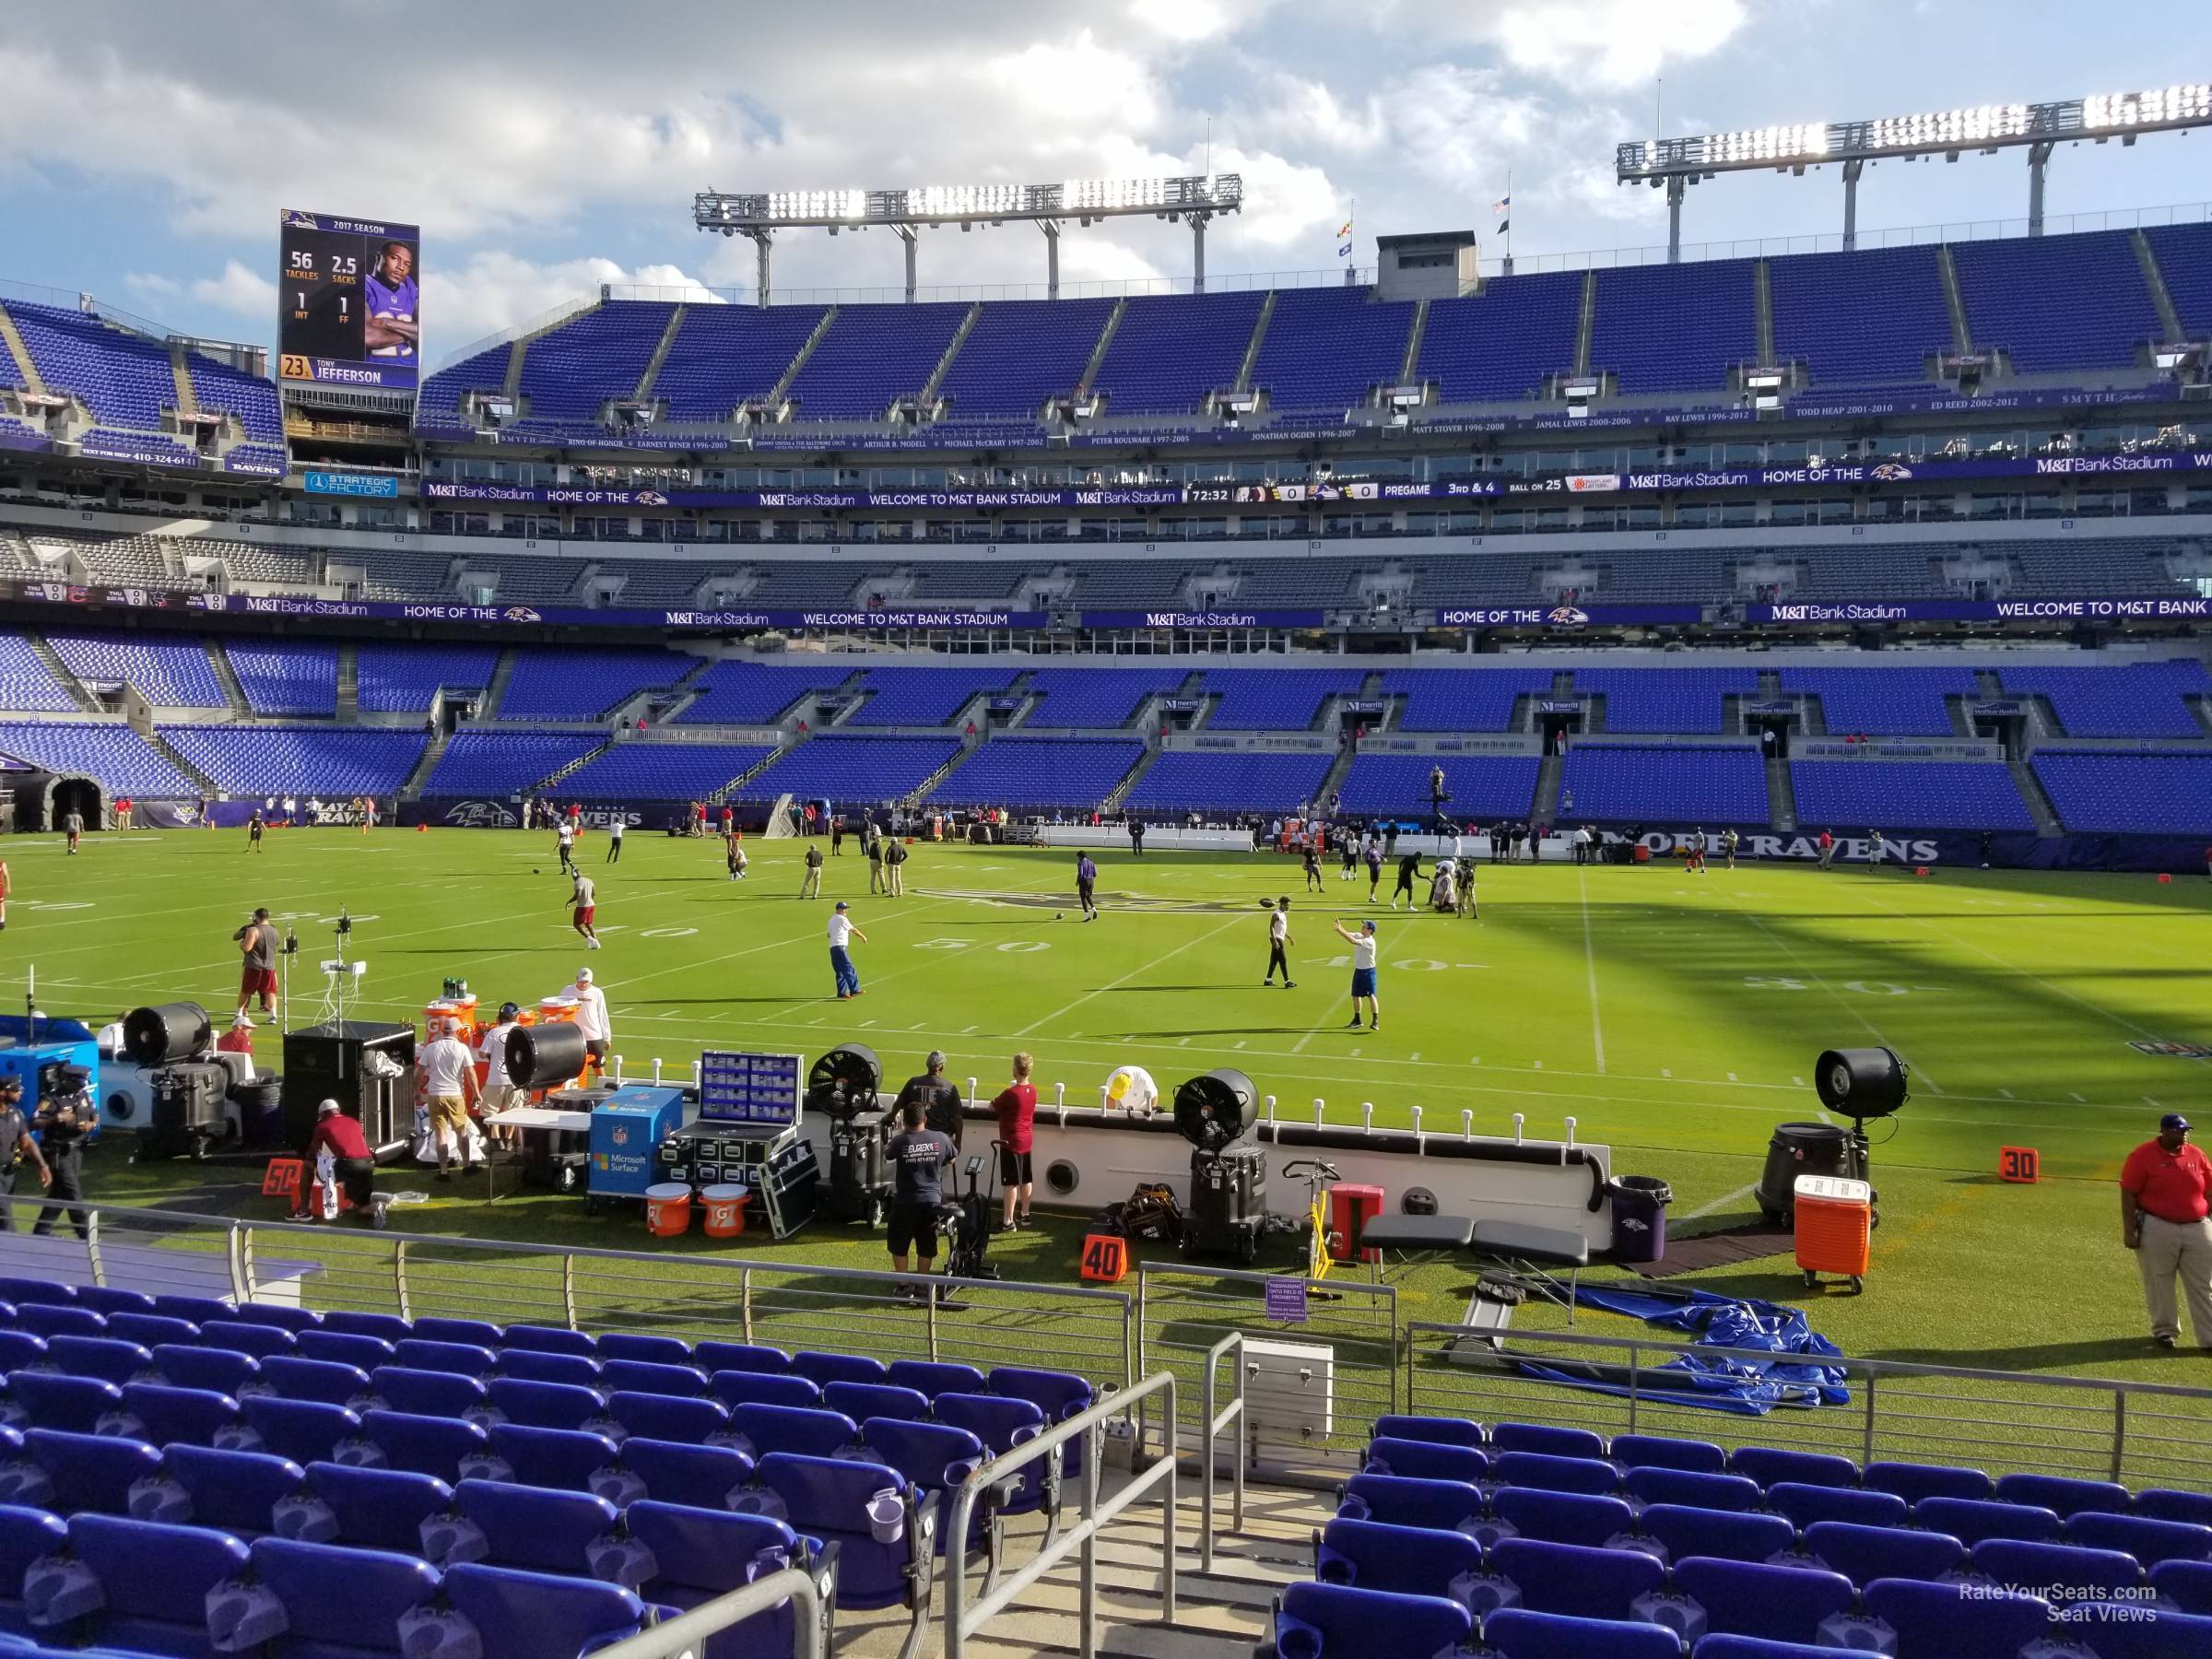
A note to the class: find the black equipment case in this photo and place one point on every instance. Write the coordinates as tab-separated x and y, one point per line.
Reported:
1228	1204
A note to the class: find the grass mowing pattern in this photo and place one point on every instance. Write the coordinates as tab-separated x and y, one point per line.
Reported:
1675	1017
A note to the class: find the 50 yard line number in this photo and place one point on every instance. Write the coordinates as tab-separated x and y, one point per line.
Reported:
1764	982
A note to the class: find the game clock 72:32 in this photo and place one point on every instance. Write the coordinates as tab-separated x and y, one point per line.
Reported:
348	312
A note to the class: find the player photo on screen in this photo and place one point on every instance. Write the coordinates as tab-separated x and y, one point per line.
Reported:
389	329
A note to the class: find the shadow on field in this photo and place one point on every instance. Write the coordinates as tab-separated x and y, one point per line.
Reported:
2045	1355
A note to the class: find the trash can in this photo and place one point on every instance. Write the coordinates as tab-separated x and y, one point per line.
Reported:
1640	1218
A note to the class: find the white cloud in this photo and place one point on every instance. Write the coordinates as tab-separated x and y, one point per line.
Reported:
1609	45
238	290
495	290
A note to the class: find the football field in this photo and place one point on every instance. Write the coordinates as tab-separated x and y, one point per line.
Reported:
1674	1017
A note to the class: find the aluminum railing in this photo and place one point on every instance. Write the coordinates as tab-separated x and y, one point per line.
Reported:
1086	1330
1233	1414
685	1636
2139	1433
961	1620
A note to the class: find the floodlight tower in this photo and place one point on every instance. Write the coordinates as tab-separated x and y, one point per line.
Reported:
1675	164
1195	201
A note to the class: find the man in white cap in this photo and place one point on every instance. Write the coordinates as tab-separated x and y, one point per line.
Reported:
353	1165
1363	973
841	935
449	1086
592	1019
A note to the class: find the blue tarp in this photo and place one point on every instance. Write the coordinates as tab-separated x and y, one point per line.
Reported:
1749	1387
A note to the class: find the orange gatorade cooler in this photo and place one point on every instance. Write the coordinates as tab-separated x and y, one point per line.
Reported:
723	1207
1835	1224
464	1010
668	1210
434	1015
557	1009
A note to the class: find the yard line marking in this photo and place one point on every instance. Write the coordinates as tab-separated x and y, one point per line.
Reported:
1823	1116
1837	997
1539	1065
1797	1082
2005	1092
1415	1055
1664	1073
1730	1077
2080	1002
866	1024
2082	1099
2154	1105
1598	1031
1240	1042
969	1032
1060	1014
1723	1202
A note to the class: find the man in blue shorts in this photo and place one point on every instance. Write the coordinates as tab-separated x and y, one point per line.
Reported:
1363	973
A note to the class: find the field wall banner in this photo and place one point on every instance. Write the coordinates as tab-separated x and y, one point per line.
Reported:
1358	493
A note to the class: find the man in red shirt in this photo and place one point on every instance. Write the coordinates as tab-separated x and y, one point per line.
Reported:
2166	1219
1016	1106
354	1164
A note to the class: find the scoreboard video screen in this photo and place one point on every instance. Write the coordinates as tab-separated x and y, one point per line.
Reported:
347	307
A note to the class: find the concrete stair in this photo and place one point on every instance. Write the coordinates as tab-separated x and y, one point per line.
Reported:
1136	775
60	670
805	351
1782	795
660	353
425	764
1410	364
1962	334
226	676
1252	347
2039	803
350	684
21	353
161	747
179	371
502	671
928	393
1098	352
1544	809
1217	1616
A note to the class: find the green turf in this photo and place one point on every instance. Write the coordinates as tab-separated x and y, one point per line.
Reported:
1676	1017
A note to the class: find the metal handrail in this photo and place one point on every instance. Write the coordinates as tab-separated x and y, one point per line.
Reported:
962	1621
1090	1329
684	1637
1894	1368
1232	1344
2092	1414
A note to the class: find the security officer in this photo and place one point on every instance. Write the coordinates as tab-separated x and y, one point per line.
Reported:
15	1148
65	1120
939	1096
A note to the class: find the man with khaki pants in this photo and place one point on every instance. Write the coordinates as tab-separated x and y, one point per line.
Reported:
2165	1202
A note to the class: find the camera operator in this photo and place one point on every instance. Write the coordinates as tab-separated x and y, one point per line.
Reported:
257	943
939	1098
15	1146
65	1120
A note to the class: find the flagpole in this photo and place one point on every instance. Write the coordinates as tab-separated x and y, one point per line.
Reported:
1509	218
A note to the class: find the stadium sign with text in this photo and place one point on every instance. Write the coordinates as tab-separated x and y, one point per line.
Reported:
347	301
351	484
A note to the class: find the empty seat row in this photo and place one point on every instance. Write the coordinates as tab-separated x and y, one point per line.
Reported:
1575	1459
1726	1611
540	1501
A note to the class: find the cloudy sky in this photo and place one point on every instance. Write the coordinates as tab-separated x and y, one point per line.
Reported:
548	147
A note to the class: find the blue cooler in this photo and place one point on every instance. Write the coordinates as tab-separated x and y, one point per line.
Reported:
625	1127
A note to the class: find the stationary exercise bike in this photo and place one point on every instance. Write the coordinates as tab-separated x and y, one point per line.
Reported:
965	1224
1318	1176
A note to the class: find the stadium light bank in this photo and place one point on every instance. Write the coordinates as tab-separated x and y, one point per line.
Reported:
1677	163
1193	201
